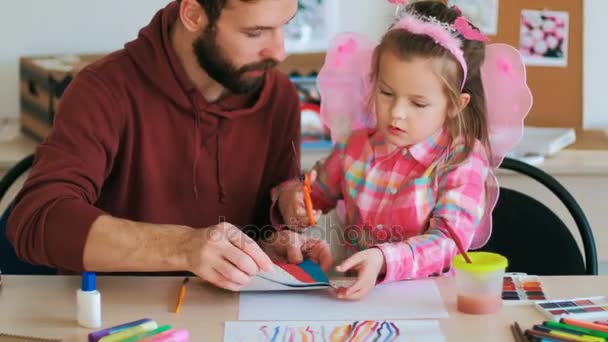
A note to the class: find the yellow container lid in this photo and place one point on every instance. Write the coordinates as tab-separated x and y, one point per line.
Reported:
481	262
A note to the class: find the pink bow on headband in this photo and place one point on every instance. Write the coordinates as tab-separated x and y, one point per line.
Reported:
398	2
462	25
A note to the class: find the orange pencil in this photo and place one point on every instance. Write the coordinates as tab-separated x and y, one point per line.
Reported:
308	201
182	293
307	188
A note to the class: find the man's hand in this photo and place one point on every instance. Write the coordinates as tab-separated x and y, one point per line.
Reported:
292	247
225	256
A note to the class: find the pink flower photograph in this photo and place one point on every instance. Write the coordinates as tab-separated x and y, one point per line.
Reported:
544	38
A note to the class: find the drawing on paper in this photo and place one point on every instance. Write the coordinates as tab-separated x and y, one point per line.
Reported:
357	330
369	330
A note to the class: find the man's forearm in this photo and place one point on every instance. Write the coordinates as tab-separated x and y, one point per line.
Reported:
118	245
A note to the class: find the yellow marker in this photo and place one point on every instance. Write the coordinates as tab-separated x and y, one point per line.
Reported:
580	338
122	335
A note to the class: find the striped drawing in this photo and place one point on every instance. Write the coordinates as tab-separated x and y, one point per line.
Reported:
358	331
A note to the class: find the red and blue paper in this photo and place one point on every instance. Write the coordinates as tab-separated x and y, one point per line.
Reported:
307	272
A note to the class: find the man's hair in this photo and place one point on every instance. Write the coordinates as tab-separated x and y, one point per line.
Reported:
213	8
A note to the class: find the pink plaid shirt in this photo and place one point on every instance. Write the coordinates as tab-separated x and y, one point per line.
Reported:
405	201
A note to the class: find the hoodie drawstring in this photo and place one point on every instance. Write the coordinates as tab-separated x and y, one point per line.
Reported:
197	150
220	182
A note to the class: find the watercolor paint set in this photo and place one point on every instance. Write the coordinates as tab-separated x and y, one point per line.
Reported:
588	308
520	288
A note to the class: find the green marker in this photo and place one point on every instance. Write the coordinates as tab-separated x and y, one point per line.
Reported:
148	333
558	325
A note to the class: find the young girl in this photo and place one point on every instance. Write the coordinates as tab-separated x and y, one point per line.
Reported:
418	187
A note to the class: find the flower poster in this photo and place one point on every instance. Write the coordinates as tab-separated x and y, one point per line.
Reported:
544	38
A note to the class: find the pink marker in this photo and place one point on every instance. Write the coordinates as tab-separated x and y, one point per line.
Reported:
173	335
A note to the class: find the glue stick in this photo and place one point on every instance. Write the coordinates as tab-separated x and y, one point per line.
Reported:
88	302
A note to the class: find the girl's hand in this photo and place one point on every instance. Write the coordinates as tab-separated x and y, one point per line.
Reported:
368	264
292	206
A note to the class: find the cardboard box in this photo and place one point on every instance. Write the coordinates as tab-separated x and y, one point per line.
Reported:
302	64
43	79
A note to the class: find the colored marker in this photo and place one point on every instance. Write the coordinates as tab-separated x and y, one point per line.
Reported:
141	336
173	335
569	335
583	324
542	336
130	332
585	331
97	335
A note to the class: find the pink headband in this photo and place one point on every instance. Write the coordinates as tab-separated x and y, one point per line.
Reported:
443	34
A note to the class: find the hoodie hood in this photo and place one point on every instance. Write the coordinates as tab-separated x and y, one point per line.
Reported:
153	54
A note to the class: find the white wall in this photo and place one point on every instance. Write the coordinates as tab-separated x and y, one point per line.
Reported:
595	65
31	27
371	17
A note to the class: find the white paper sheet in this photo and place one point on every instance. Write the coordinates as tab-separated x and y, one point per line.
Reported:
403	300
427	331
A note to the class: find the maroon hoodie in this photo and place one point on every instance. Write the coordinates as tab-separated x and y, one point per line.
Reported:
135	139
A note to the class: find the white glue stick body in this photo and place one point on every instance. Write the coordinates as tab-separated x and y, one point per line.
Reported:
89	302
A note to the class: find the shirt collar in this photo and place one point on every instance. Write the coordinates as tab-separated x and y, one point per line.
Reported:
424	152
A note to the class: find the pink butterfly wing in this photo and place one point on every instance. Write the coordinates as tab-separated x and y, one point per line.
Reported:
508	102
344	84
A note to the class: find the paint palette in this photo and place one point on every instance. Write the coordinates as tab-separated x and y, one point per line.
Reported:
520	288
577	308
306	275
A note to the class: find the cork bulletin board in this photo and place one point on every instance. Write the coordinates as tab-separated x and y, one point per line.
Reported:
557	91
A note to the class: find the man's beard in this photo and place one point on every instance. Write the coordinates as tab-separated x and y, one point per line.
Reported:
213	60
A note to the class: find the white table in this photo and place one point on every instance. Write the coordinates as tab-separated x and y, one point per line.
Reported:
45	306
